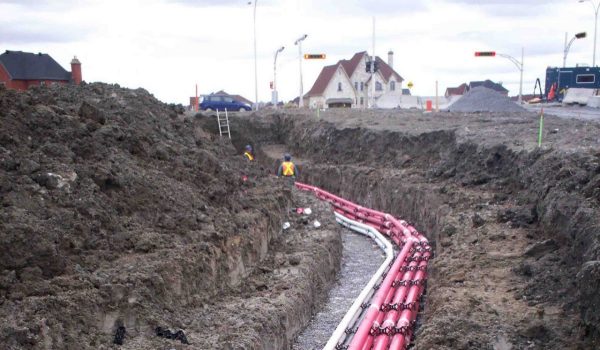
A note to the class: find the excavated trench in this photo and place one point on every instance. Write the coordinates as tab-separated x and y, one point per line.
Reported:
123	221
505	224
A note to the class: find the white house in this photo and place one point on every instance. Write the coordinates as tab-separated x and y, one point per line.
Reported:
347	84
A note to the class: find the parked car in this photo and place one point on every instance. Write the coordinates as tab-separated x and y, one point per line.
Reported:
221	103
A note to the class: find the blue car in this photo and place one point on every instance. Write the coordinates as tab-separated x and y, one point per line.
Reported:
221	103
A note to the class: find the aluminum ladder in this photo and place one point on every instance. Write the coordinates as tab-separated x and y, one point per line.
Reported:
223	124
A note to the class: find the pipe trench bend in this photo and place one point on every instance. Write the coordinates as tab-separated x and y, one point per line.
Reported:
383	316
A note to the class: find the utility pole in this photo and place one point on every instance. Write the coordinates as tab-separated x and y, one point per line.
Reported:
299	43
372	99
275	98
521	80
568	46
596	9
255	64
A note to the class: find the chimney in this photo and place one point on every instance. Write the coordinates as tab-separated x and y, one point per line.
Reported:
391	59
76	71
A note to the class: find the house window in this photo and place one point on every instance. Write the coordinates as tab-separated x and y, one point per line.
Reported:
356	85
392	85
586	78
339	86
362	86
362	101
378	86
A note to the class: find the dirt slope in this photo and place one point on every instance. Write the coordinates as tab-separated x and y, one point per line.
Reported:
119	215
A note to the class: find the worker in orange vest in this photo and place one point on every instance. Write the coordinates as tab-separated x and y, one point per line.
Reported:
249	153
287	168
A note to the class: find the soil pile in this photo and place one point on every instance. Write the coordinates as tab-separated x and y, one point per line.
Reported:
482	99
119	216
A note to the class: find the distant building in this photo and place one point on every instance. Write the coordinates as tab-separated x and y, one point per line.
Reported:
490	85
346	84
456	91
238	98
464	88
20	70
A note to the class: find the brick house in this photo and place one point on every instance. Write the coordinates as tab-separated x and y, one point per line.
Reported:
457	91
20	70
346	84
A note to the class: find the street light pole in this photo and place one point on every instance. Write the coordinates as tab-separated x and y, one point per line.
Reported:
568	46
520	67
274	99
299	43
596	8
255	64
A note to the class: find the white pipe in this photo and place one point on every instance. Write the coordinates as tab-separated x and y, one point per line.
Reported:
355	309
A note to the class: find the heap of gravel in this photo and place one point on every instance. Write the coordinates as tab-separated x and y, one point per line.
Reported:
482	99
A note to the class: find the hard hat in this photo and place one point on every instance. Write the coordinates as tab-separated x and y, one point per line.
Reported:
287	156
248	148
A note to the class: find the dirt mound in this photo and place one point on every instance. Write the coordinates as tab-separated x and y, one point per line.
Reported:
118	215
482	99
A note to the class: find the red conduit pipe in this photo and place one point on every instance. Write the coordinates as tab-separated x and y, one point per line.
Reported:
397	326
377	322
387	327
411	307
360	337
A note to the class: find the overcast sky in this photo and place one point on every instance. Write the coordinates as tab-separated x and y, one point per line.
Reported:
168	46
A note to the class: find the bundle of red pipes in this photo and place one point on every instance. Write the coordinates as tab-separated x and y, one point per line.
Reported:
389	320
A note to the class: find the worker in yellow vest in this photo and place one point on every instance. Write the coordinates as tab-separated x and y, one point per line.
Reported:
249	153
287	168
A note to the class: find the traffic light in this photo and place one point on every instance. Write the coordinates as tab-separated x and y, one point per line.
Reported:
311	56
485	53
368	67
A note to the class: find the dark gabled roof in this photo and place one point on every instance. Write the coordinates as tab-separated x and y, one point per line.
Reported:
349	67
488	84
242	99
459	90
351	64
386	71
30	66
323	79
238	98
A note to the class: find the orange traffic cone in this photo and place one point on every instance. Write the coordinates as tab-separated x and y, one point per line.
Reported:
552	92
